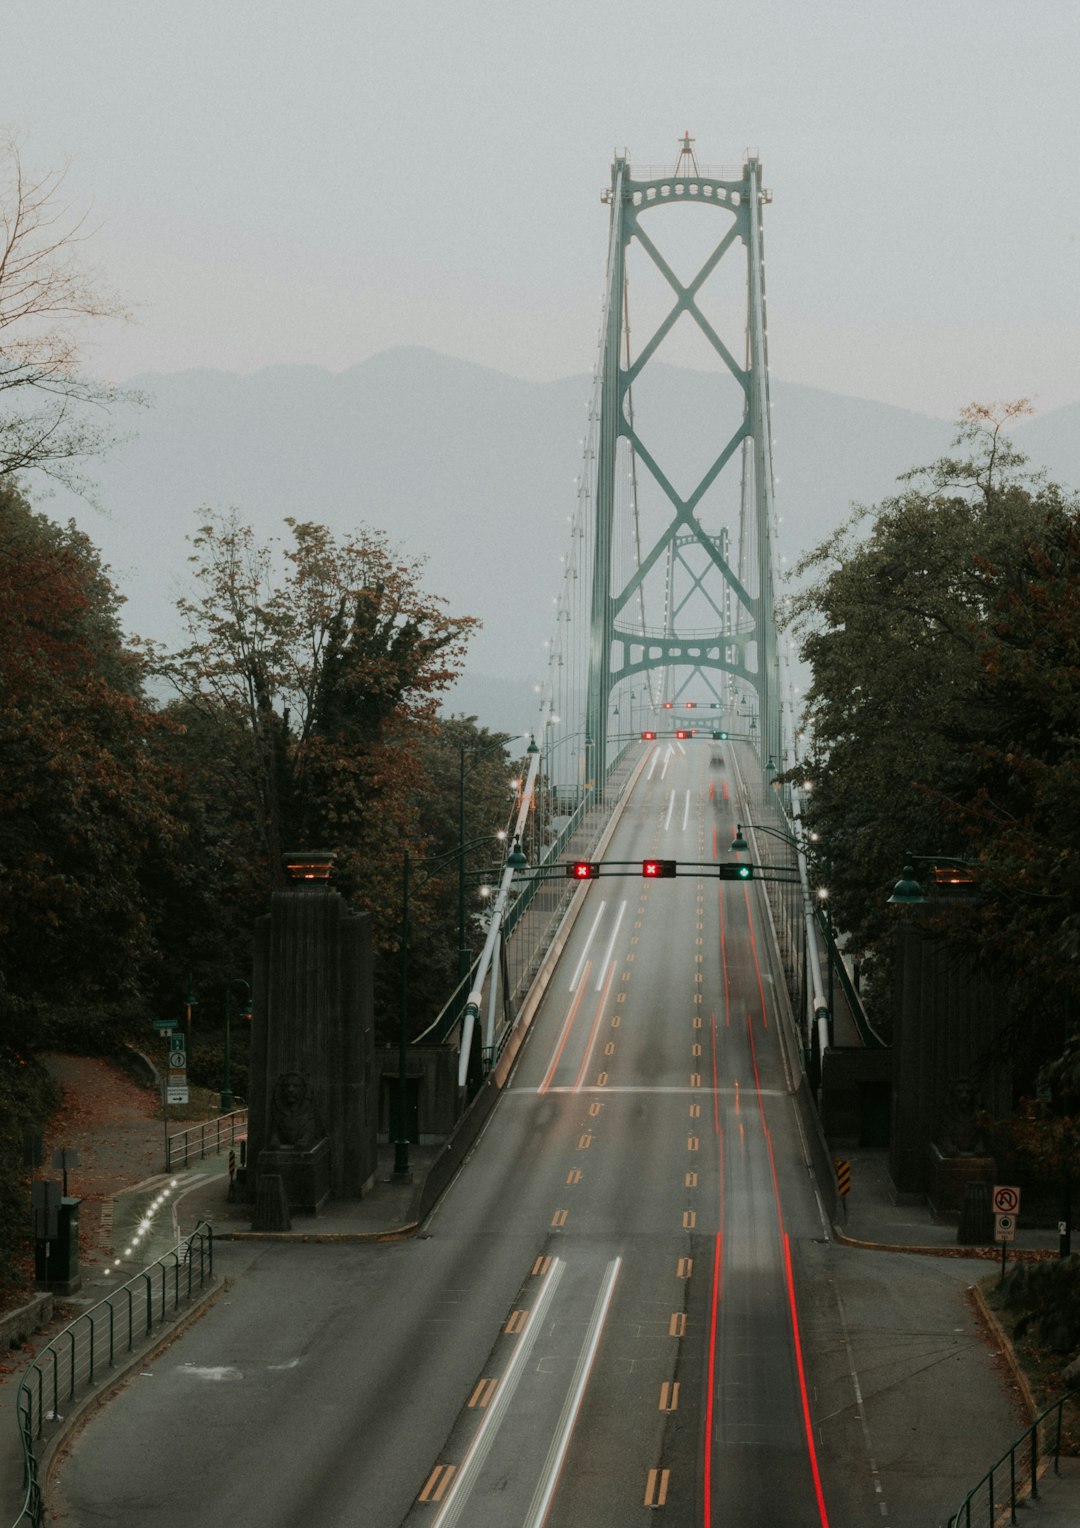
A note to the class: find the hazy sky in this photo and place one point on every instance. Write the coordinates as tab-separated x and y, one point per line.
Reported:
316	181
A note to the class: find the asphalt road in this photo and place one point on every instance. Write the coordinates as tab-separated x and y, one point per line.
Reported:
625	1304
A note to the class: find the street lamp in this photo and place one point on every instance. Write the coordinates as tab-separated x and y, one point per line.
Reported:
516	859
226	1081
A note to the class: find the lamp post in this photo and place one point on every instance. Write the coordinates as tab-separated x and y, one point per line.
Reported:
401	1139
226	1080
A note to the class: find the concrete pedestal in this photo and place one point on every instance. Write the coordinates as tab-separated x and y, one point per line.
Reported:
949	1177
305	1174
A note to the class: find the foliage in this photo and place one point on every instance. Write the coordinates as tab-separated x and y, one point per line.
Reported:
46	423
1045	1299
938	627
80	807
27	1097
325	680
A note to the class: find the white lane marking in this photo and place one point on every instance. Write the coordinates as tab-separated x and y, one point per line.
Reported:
681	749
667	761
653	762
585	951
587	1059
875	1473
480	1447
610	947
549	1479
670	809
216	1372
686	813
697	1092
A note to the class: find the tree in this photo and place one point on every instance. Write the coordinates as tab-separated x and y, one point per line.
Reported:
50	414
329	677
80	809
906	629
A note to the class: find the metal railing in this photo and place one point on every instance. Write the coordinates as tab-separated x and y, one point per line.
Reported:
84	1352
209	1139
1015	1476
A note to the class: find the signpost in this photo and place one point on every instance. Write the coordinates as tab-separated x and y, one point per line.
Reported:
1005	1201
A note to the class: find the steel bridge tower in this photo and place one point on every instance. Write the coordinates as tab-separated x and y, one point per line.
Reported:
714	625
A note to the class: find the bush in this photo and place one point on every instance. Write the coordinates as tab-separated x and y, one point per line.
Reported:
1045	1298
28	1097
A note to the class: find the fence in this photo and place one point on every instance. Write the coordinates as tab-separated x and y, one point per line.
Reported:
1015	1473
86	1351
208	1139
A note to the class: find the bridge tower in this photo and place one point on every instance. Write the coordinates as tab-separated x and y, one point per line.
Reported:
668	593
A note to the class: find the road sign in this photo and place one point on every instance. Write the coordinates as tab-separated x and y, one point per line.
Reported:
176	1095
1004	1228
166	1025
177	1060
1006	1199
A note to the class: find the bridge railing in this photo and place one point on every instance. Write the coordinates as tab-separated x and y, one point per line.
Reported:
208	1139
86	1352
1014	1478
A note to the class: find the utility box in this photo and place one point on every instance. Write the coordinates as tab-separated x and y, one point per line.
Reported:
56	1262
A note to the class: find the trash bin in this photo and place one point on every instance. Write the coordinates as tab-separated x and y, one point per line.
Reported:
56	1262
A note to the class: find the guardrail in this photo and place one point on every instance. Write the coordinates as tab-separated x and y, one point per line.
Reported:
85	1351
1017	1470
209	1139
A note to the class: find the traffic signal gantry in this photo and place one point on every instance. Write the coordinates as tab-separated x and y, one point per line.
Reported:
664	869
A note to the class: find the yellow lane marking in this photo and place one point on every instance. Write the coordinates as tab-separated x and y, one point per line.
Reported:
585	1142
677	1324
697	977
669	1395
594	1108
560	1217
482	1394
574	1175
625	977
656	1488
699	960
684	1268
620	997
637	925
609	1048
691	1180
541	1266
616	1020
630	957
601	1079
517	1320
437	1482
695	1049
689	1219
695	1111
693	1143
697	995
695	1079
633	939
697	1020
699	940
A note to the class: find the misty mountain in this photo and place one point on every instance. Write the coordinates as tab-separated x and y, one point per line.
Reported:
465	467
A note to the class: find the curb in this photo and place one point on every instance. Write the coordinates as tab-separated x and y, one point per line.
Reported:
997	1331
982	1254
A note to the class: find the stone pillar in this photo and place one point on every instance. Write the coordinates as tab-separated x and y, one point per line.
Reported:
312	1015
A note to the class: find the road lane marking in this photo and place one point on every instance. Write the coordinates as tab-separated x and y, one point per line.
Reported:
549	1479
601	1079
437	1482
656	1488
669	1395
577	976
677	1324
480	1447
541	1266
684	1267
584	1142
695	1079
693	1143
691	1180
594	1107
689	1219
615	1021
568	1024
695	1111
697	1020
574	1175
586	1060
695	1049
609	1048
686	813
609	952
670	810
560	1218
482	1394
